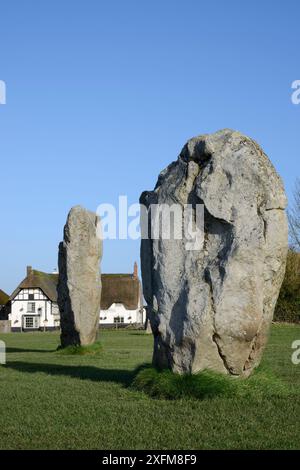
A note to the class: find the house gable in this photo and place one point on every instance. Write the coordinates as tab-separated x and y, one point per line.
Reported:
47	283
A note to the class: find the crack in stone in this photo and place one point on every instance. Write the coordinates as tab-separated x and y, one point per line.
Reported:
250	359
275	209
215	335
215	338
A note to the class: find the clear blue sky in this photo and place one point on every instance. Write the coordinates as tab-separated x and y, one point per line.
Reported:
102	95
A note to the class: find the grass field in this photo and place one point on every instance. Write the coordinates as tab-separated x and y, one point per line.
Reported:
54	401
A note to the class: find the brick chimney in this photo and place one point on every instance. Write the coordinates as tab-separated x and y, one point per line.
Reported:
29	270
135	270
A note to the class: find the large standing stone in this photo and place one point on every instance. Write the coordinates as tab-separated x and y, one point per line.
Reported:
211	308
79	286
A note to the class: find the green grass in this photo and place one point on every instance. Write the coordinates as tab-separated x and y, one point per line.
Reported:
208	384
50	400
91	350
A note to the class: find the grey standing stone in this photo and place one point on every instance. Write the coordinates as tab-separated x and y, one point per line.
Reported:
79	286
212	308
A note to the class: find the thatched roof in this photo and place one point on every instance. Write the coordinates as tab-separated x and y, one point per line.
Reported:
116	288
4	298
120	288
39	280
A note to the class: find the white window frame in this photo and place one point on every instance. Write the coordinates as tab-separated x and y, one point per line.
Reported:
35	322
119	319
32	309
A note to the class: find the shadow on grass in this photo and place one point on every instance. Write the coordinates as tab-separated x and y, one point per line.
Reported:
123	377
23	350
138	333
89	350
167	385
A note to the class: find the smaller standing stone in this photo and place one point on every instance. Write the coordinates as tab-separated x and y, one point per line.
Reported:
79	285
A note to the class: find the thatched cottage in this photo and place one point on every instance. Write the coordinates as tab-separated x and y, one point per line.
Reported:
33	304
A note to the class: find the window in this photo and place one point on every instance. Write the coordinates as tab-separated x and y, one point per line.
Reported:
31	322
118	319
28	322
31	307
31	296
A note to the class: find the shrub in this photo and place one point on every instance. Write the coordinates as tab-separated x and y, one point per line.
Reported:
288	304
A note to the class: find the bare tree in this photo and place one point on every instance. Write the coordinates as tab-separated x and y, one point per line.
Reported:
294	217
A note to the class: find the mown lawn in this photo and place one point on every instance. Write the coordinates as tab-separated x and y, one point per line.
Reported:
54	401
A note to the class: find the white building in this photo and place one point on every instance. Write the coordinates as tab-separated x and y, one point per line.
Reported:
121	299
33	305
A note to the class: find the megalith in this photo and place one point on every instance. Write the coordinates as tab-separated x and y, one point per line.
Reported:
211	308
79	285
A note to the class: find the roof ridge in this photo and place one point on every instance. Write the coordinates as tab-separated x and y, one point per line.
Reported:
116	287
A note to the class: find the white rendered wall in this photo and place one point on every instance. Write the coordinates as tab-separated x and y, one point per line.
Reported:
50	311
107	317
47	312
